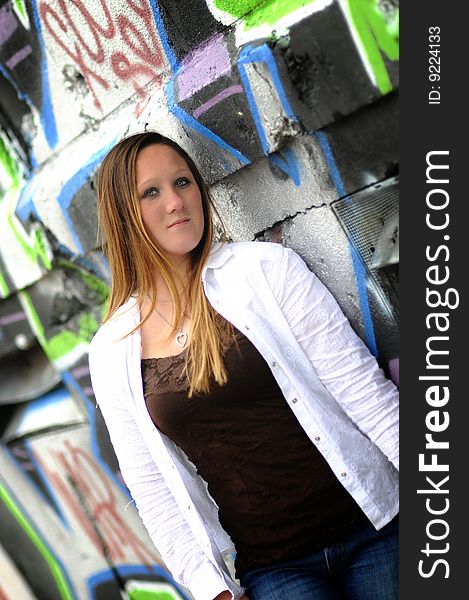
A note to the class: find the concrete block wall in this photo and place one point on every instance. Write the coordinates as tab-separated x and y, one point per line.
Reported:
289	107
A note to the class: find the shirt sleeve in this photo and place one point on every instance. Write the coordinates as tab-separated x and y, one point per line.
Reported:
157	506
342	361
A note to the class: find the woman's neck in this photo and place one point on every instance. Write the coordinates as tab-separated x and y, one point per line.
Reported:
181	281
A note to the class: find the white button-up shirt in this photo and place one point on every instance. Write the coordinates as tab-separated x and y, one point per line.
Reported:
332	383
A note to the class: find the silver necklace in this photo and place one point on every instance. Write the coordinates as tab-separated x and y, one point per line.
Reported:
181	335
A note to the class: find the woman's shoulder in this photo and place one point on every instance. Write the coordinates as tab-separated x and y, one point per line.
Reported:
278	263
252	251
271	259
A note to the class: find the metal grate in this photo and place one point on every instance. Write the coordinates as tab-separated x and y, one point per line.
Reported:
370	219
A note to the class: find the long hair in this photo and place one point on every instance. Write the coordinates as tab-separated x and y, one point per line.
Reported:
134	257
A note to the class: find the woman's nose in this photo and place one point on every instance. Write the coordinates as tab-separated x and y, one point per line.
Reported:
174	201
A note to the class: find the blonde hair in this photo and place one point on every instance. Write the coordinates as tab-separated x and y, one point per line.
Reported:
134	257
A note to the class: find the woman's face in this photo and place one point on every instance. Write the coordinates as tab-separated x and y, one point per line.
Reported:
170	201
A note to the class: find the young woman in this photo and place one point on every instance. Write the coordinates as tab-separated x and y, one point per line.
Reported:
241	405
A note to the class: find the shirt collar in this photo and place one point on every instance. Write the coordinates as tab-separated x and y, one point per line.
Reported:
219	254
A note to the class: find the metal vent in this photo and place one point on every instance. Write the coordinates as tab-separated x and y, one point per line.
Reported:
370	219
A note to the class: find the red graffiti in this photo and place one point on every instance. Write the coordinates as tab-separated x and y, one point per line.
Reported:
140	58
90	496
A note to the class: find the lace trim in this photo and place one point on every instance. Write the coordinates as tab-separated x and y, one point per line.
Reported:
166	374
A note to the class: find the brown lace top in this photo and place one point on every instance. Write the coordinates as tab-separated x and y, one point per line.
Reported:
277	497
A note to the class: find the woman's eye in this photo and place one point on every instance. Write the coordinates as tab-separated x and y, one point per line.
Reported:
182	182
150	192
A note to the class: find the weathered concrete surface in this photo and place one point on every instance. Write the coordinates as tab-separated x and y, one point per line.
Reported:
286	107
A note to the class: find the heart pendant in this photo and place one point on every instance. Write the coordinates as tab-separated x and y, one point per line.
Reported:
181	339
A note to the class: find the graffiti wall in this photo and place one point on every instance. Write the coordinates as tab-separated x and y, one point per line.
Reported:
289	108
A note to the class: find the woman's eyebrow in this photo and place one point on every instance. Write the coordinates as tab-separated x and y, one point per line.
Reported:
141	186
155	180
180	169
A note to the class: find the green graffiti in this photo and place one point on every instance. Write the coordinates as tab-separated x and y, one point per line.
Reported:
57	573
10	165
85	323
97	285
63	342
21	9
88	327
255	12
150	595
378	35
39	248
34	320
92	282
238	8
4	291
36	250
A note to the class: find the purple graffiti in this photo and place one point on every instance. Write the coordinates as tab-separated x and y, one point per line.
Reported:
19	56
207	63
234	89
79	372
8	23
12	318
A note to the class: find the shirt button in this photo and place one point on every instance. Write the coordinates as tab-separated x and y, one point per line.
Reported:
247	327
317	438
343	474
274	364
294	400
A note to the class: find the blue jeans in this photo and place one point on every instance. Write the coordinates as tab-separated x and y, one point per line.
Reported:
362	566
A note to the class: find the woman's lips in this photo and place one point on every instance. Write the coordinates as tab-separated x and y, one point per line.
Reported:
178	223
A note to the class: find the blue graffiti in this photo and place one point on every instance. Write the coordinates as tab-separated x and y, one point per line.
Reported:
358	266
47	494
263	54
163	37
286	161
75	183
188	120
47	113
25	205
